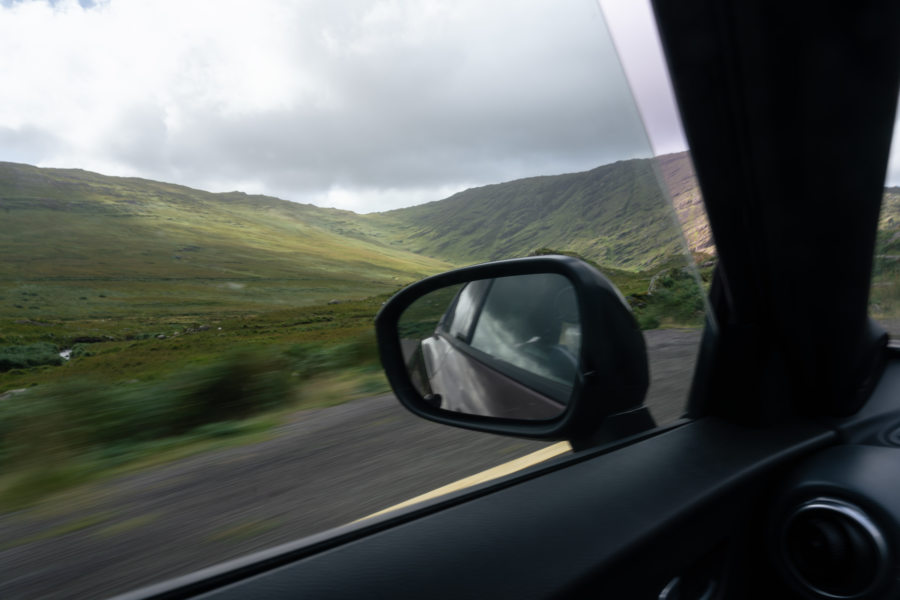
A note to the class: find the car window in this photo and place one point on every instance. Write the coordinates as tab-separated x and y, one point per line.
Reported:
202	210
884	295
465	309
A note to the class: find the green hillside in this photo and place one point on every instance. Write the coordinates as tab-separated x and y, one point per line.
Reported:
82	245
127	256
615	215
78	244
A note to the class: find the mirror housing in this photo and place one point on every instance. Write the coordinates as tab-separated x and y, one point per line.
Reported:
608	393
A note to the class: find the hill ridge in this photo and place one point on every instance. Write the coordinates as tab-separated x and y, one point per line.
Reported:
614	214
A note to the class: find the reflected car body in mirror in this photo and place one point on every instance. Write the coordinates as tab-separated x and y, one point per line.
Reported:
505	347
509	347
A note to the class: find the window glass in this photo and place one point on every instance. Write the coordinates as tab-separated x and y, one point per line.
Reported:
884	296
202	208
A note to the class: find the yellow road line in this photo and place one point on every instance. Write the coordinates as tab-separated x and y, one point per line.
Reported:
493	473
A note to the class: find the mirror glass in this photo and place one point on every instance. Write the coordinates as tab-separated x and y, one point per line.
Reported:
507	347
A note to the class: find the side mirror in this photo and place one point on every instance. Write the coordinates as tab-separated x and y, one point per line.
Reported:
543	347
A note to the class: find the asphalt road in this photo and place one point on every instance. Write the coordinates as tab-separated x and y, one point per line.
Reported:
323	469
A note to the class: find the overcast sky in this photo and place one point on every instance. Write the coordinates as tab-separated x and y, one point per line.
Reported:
358	104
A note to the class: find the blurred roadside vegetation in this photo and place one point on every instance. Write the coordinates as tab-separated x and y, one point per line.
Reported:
143	390
154	387
884	295
671	295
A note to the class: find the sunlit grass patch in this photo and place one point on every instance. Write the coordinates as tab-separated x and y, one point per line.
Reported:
24	487
342	386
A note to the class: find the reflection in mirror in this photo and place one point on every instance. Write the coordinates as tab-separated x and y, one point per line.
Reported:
507	347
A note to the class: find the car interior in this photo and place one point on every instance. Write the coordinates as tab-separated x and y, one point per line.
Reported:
781	479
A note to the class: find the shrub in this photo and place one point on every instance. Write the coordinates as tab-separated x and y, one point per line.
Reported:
675	298
79	350
82	415
312	358
235	387
647	321
31	355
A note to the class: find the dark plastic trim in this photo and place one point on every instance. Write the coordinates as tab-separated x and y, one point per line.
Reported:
862	477
852	514
666	499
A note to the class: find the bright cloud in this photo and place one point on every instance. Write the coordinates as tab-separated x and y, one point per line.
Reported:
361	104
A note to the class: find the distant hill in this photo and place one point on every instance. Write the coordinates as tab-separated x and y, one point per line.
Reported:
144	245
614	214
52	216
76	242
69	223
128	245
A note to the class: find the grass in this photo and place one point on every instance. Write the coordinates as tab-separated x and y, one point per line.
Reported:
145	349
104	228
26	485
23	487
29	355
66	464
130	398
143	390
343	386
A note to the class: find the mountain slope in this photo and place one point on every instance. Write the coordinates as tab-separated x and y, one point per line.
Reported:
142	239
677	172
143	245
614	214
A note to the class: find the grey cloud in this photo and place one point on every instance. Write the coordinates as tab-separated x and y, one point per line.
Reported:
28	144
139	137
526	90
428	120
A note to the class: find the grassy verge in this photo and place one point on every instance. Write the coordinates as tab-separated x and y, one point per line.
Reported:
136	394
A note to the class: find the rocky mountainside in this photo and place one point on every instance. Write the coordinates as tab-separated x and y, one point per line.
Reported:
616	215
677	172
